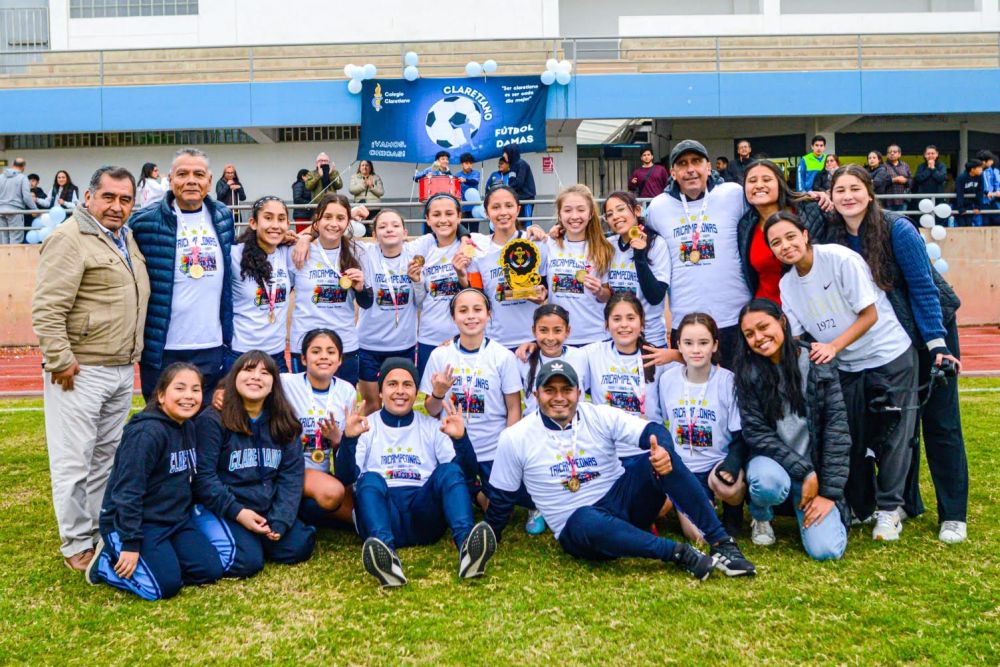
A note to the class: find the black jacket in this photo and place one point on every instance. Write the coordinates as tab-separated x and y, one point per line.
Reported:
151	478
227	195
300	195
930	181
823	181
520	178
880	179
808	211
239	471
829	435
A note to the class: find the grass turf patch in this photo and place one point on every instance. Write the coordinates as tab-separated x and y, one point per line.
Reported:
917	601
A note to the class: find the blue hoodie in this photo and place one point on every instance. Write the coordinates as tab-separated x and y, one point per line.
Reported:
151	478
240	471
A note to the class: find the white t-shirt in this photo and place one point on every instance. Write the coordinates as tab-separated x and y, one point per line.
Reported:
701	418
320	301
510	324
574	356
479	381
252	329
195	323
404	456
377	326
827	300
622	277
586	312
441	283
714	284
311	405
545	460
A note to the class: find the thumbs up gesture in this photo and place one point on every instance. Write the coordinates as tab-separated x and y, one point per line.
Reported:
659	458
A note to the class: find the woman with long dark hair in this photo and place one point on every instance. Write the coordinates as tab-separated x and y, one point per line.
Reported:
151	188
63	193
229	190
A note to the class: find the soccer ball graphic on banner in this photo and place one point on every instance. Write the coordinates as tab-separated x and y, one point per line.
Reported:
453	121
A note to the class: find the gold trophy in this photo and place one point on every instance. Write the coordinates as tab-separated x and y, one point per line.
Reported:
520	259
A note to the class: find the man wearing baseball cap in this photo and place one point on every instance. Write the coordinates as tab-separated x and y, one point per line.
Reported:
565	455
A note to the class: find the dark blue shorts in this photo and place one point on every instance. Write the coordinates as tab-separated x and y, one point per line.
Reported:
370	361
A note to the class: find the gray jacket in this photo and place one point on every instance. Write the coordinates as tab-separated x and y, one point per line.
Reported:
15	191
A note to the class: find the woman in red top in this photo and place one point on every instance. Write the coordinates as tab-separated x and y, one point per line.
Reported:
767	193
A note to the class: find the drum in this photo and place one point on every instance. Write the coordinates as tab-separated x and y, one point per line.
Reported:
432	185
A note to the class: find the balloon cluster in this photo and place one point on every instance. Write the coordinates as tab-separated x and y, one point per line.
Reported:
472	196
929	221
473	68
43	225
557	71
358	74
410	71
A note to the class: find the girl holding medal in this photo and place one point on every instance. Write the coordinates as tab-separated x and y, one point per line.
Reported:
149	543
477	373
262	277
511	320
641	263
389	327
319	400
329	284
578	263
697	403
550	328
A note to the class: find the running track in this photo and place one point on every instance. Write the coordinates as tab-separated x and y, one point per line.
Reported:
21	375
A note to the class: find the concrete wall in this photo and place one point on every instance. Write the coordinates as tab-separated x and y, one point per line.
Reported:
973	255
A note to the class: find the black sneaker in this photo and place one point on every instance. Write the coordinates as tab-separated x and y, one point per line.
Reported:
382	563
731	560
476	551
689	559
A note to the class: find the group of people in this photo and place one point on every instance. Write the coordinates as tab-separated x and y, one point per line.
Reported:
22	192
809	340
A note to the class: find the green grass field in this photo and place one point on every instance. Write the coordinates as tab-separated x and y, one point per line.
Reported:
918	601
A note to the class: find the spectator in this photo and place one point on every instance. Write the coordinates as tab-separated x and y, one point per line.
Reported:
36	192
15	195
722	168
931	174
229	190
64	193
811	164
366	186
469	179
323	179
650	179
500	176
88	312
822	181
991	185
968	194
301	197
743	159
151	188
880	177
899	176
520	179
438	168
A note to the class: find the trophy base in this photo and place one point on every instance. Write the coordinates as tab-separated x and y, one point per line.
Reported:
521	293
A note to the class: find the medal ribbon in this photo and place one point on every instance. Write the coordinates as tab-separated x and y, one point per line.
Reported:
702	217
321	410
558	442
194	234
388	281
693	411
467	388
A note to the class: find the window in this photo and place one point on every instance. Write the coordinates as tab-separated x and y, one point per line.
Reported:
124	139
88	9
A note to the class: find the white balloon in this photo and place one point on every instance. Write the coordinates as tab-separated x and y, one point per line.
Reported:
927	220
548	77
942	211
490	66
354	86
348	69
473	68
562	78
938	233
926	205
43	233
472	195
357	229
410	59
934	251
942	266
45	219
564	66
32	236
479	212
551	64
58	214
357	72
411	73
370	71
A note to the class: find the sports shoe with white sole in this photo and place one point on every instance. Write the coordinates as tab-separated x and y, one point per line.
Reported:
887	526
730	560
699	565
535	525
382	563
761	533
90	574
476	551
952	532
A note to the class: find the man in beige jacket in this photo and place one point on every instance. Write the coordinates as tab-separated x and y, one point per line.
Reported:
88	312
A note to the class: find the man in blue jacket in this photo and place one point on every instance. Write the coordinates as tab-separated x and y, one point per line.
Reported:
811	164
969	194
186	239
520	179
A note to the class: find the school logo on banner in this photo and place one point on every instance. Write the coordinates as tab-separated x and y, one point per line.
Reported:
411	121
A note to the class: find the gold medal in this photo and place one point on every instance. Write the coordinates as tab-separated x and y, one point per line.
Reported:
345	282
318	455
573	484
270	317
469	250
634	232
196	271
419	259
581	275
695	256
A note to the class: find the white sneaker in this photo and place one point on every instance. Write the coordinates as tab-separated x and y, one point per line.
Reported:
887	526
953	532
761	533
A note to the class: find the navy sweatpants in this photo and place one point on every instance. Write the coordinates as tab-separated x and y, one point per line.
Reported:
169	557
617	525
405	516
483	484
242	553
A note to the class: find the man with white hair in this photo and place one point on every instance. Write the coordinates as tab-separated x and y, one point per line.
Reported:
324	179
